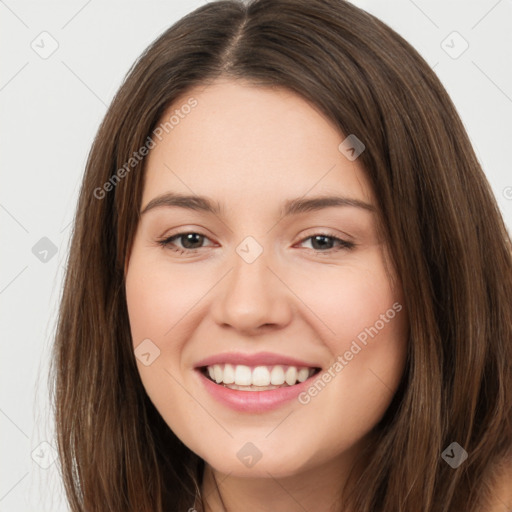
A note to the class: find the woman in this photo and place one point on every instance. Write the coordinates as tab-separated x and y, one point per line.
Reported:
289	285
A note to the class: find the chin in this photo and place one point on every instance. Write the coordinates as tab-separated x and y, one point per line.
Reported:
262	465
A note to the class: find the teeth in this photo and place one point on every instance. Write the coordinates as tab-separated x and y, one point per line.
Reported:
291	375
243	375
277	376
229	374
268	377
302	374
260	376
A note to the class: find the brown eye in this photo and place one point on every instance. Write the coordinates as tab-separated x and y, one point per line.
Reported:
188	241
322	242
191	240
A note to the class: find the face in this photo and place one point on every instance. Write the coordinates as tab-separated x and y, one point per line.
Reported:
266	320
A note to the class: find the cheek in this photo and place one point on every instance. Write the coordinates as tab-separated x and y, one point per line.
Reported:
157	298
348	300
365	326
159	304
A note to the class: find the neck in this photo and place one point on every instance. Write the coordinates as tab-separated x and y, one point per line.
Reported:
318	488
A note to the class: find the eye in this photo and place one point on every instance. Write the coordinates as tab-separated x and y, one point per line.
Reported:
190	242
327	242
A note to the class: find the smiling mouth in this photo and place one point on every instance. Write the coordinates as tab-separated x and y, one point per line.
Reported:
257	378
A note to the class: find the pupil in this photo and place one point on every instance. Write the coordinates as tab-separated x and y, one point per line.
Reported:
191	238
322	244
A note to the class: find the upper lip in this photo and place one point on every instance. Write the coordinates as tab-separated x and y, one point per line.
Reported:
256	359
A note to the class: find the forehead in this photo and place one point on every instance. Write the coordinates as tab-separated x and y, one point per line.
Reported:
240	142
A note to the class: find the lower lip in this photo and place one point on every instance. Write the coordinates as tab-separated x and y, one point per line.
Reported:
254	401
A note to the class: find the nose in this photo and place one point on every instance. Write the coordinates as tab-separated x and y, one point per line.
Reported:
252	297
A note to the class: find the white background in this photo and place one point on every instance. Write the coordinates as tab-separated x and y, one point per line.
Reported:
50	111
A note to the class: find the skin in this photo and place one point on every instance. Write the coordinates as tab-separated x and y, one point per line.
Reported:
250	149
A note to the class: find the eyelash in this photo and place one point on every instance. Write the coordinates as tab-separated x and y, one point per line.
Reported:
167	243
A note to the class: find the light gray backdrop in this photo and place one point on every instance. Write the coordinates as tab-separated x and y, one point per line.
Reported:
61	63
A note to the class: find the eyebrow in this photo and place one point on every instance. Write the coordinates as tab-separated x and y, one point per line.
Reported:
290	207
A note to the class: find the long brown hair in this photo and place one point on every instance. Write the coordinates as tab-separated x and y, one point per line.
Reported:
448	241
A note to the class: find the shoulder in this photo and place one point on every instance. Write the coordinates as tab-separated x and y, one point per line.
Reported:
500	490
